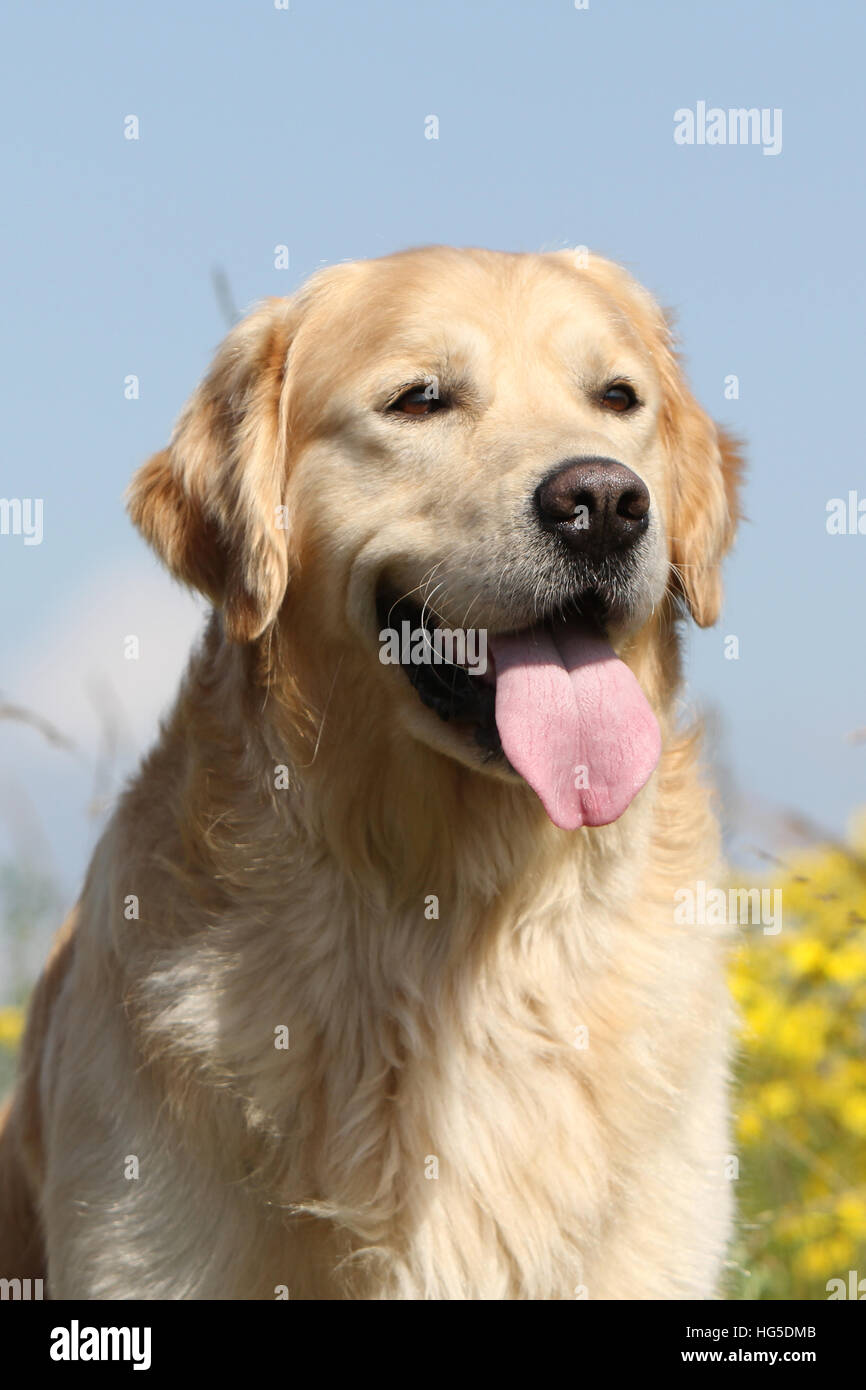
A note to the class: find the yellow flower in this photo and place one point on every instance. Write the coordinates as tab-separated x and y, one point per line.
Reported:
749	1126
841	1251
847	965
814	1187
777	1099
11	1027
851	1212
824	1258
763	1018
806	955
801	1031
801	1066
812	1261
852	1112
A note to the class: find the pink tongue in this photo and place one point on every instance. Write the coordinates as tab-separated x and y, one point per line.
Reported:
574	723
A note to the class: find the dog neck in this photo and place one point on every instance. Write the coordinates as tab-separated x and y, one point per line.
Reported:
295	779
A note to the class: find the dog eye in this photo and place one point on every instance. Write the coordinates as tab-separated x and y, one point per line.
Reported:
619	396
418	400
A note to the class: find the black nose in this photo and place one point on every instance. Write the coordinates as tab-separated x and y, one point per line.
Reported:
595	505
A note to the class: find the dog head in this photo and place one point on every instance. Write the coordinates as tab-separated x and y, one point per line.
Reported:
496	448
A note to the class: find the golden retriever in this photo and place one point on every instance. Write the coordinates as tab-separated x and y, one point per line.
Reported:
374	989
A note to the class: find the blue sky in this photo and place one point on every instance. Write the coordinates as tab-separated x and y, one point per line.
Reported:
305	127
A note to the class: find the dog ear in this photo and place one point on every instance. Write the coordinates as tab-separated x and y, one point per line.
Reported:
210	503
705	472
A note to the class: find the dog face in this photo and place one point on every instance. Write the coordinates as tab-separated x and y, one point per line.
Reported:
458	440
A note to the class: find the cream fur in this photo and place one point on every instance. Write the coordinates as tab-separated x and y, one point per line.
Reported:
563	1171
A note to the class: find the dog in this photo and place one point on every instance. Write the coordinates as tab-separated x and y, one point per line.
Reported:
375	987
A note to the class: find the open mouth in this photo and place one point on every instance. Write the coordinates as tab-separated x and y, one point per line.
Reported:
451	690
555	701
